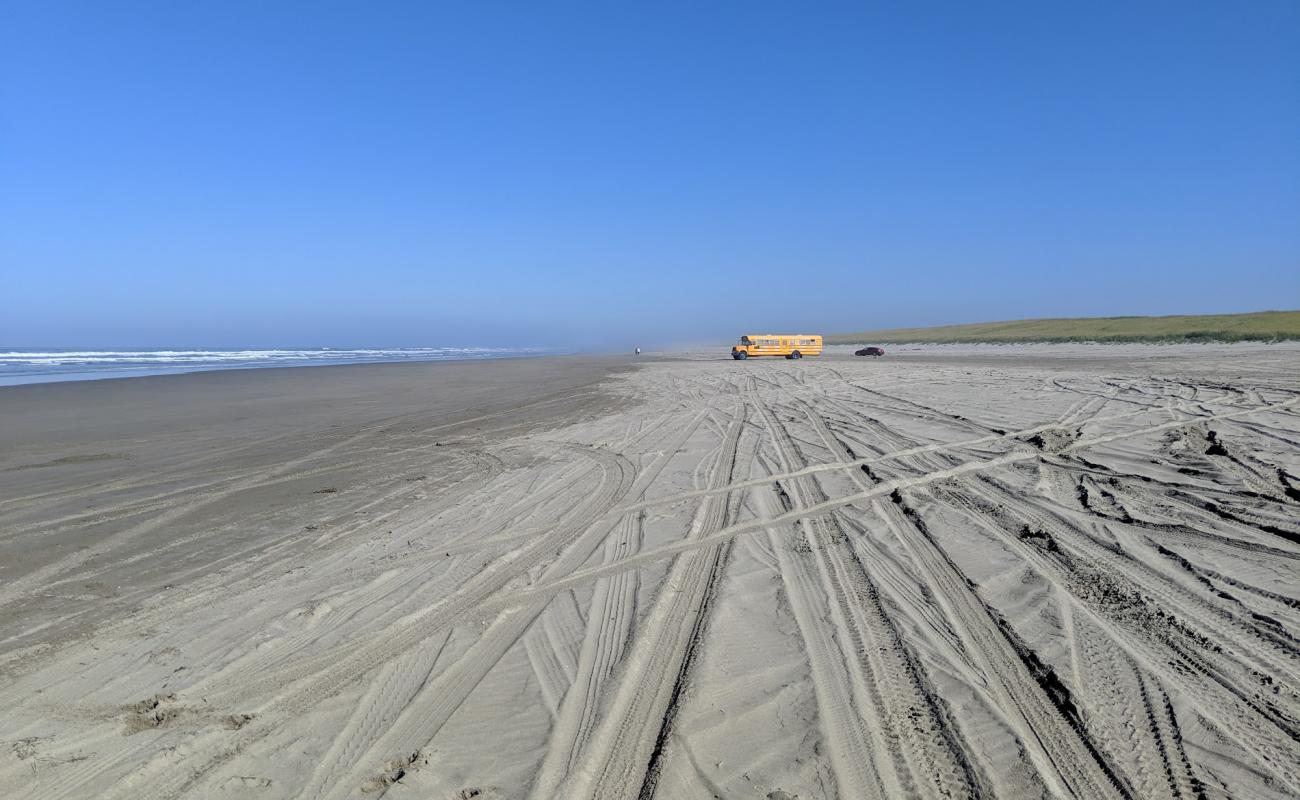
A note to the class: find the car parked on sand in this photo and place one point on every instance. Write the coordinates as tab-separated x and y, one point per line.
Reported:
870	351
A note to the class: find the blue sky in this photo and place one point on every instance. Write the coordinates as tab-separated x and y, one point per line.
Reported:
600	174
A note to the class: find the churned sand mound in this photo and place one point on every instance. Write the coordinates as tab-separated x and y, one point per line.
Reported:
945	574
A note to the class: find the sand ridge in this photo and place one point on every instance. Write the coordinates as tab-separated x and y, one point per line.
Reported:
955	572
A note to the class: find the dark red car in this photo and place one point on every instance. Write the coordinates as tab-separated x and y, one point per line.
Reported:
870	351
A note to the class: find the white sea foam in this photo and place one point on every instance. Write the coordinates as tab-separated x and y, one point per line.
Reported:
34	365
189	356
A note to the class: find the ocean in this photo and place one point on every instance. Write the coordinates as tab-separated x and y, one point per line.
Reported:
44	365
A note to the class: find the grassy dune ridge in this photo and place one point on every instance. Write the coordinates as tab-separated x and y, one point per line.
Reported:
1258	326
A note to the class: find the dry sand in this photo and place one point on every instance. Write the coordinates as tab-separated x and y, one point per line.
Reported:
1044	571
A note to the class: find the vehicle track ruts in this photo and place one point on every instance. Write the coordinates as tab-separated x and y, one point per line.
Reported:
395	685
1245	513
259	577
238	476
927	411
1209	576
913	450
1063	760
1083	412
241	479
1250	426
348	600
883	489
552	645
925	756
269	667
422	594
851	748
1115	396
330	672
1105	496
180	503
73	783
212	583
1158	640
1212	446
1134	730
415	720
36	579
1247	638
208	577
609	622
940	475
620	757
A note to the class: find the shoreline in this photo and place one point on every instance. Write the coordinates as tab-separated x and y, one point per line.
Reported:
16	379
294	397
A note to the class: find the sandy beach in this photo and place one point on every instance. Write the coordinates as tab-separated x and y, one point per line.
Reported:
957	571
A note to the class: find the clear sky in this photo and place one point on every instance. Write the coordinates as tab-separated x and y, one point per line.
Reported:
602	174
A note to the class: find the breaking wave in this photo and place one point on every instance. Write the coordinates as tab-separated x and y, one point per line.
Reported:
49	364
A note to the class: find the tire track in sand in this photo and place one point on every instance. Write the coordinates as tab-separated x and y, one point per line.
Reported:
416	719
609	623
275	664
332	672
1060	755
882	489
35	580
621	756
1126	707
940	447
1158	640
914	748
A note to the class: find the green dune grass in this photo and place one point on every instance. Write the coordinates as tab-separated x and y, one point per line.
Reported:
1263	326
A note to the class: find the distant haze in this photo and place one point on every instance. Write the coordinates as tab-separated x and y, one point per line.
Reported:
246	174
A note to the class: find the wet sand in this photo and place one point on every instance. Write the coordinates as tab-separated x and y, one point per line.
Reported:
955	571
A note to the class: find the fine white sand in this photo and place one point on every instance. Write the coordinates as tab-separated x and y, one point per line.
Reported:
952	572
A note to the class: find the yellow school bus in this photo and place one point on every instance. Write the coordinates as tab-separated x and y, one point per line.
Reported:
790	345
